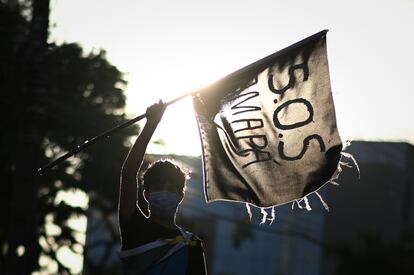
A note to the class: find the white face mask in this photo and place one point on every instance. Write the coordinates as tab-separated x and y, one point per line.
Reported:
164	203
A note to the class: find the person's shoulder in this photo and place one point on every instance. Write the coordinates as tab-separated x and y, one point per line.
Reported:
192	239
196	238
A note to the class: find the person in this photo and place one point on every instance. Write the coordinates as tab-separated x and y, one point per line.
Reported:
154	244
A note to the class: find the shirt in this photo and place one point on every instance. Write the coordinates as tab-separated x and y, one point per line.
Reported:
150	248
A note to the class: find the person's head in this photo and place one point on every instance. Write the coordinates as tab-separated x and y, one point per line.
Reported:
164	184
165	175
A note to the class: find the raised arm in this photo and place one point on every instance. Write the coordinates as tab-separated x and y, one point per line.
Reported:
129	173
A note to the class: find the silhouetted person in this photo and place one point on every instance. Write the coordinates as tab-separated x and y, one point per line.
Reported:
155	244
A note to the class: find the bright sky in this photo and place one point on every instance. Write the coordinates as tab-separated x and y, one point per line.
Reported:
169	48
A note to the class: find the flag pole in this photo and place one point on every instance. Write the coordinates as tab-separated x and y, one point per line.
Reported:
106	134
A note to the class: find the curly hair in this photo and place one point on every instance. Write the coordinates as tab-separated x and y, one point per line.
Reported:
165	174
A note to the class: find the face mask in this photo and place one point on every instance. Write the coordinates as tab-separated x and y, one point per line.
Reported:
164	204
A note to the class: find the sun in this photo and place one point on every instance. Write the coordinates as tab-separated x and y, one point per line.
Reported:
178	131
178	128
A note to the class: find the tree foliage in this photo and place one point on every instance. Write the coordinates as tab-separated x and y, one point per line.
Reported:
85	97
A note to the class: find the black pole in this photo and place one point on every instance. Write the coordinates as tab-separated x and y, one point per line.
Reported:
97	138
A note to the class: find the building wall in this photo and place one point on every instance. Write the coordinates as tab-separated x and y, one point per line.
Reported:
380	203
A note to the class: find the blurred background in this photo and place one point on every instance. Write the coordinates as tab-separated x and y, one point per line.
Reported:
71	69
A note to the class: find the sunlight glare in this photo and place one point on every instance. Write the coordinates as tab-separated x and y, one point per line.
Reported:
178	129
70	259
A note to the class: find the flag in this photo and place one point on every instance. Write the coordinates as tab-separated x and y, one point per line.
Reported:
268	130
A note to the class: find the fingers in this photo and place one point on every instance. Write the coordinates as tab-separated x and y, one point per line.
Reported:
155	112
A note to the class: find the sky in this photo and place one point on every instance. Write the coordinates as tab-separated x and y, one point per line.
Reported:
168	48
